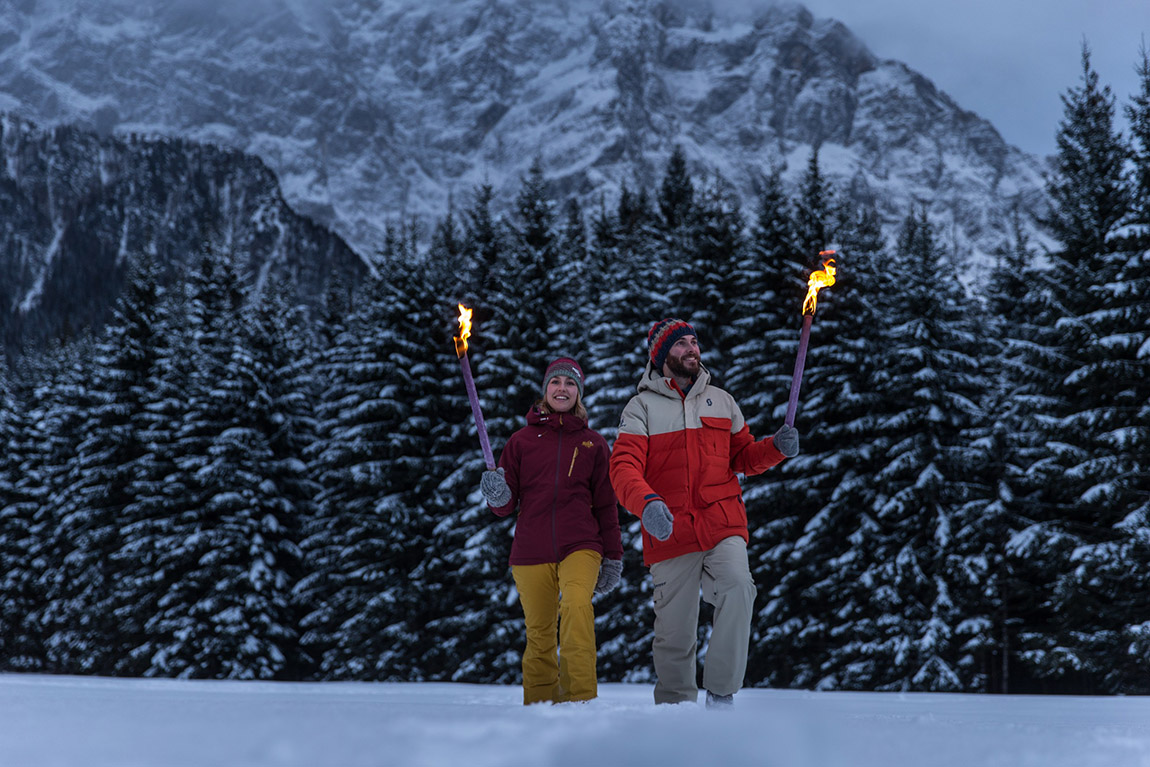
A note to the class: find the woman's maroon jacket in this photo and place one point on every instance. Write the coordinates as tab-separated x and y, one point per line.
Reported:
557	470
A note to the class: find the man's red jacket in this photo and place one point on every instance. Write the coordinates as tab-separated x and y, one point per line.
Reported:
686	450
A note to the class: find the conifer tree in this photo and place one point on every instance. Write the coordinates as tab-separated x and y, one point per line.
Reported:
808	508
55	394
509	354
1138	114
766	297
624	304
1088	190
346	538
994	584
676	193
1087	531
87	514
901	615
717	250
813	225
423	372
159	488
20	541
197	630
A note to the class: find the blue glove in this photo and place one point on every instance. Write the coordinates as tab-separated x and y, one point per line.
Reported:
657	520
609	573
786	441
494	488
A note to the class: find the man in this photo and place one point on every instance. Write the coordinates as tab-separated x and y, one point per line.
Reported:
681	442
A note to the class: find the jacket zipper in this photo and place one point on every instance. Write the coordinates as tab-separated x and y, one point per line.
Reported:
573	457
555	498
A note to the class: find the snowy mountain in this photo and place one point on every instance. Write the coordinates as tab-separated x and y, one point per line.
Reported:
77	210
368	111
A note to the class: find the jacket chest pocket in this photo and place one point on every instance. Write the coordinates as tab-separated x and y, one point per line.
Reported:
716	437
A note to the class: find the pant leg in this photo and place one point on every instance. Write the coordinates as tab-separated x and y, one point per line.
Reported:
728	585
538	587
578	573
676	600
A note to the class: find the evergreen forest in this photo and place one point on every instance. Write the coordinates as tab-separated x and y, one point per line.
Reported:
222	484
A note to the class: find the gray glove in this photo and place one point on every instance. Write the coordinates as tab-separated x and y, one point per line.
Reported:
787	441
609	573
657	520
495	489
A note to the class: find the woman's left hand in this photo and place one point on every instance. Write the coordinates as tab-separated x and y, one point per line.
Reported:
609	574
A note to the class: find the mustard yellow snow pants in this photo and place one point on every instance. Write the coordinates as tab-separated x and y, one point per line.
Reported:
556	601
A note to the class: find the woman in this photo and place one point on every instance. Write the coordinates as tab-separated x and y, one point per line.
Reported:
567	542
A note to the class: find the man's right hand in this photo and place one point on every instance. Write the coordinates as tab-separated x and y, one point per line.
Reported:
787	441
657	520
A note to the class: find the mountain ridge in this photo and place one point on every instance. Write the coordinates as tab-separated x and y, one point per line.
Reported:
370	111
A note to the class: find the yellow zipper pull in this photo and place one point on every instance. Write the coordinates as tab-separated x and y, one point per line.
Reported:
573	457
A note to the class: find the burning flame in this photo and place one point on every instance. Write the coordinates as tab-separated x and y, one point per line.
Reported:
464	331
823	278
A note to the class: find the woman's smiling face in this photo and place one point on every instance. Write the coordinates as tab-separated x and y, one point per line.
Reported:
561	394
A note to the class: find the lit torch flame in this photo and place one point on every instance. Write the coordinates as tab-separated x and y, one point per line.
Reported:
465	330
819	280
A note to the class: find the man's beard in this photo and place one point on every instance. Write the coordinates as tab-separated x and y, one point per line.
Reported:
679	370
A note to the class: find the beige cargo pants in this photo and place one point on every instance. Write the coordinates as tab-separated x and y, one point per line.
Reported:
724	577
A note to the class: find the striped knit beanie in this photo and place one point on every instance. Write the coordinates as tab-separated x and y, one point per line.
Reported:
564	366
662	337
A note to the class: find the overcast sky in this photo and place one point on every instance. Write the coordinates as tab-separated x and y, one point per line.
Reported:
1010	61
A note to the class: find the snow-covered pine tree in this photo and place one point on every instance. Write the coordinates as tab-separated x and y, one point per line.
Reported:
813	219
528	328
926	390
688	276
158	489
197	628
1089	192
347	595
571	271
20	543
717	248
803	552
1138	116
1135	279
87	511
766	297
1096	381
623	303
54	385
423	372
273	365
991	582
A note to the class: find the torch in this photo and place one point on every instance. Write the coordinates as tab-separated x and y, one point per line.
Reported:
469	382
820	279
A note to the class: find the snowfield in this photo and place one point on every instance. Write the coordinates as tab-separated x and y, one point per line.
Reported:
97	722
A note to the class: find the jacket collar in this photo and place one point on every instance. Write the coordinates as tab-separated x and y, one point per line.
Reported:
557	421
653	382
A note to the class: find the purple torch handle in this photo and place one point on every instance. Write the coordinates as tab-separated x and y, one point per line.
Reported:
800	363
476	413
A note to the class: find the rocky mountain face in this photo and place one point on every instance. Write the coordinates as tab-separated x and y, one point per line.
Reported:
370	109
77	210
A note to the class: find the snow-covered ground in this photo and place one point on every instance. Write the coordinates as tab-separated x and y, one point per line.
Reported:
94	722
